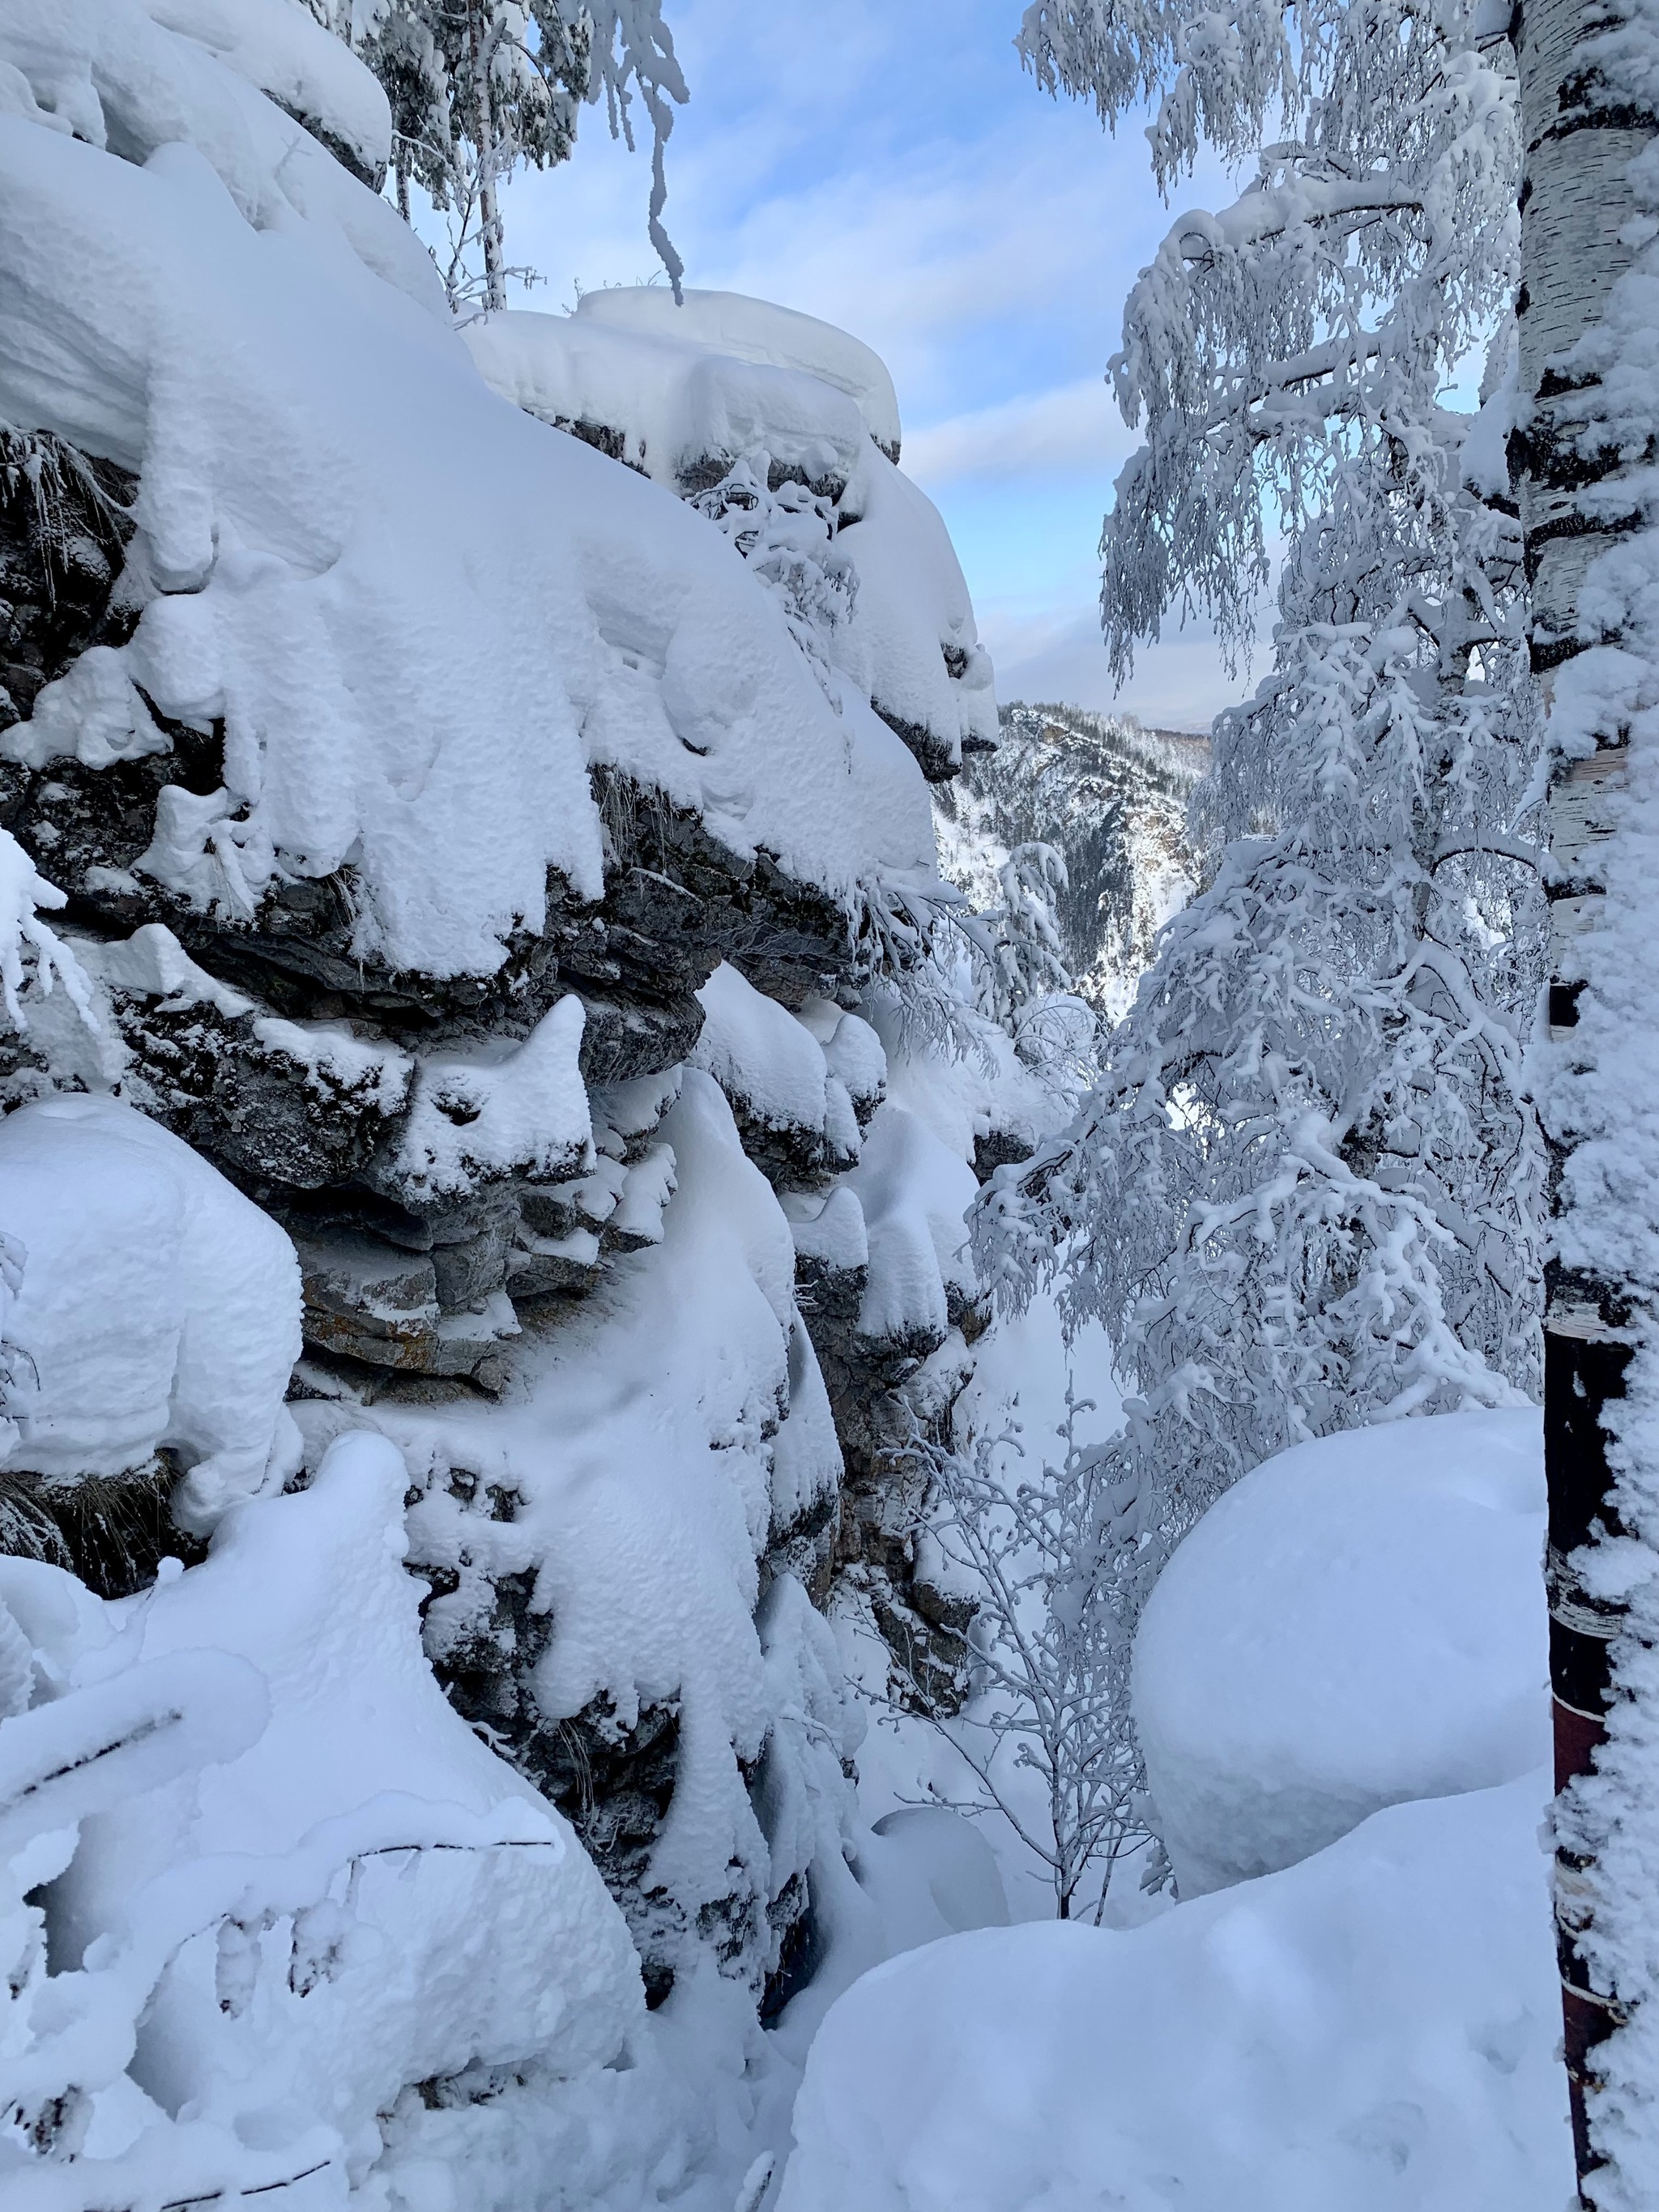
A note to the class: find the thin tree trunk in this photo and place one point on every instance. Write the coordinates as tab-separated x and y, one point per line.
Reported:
1576	199
484	109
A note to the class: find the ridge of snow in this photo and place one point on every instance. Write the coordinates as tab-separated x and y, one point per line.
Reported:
675	402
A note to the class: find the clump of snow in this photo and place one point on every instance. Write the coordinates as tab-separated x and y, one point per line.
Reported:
755	1048
1374	2029
24	893
756	330
153	964
157	1307
421	616
910	643
914	1195
773	1066
1359	1620
507	1108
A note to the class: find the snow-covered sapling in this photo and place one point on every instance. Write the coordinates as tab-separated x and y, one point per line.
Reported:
1049	1653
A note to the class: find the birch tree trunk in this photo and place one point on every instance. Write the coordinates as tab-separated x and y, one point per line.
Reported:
1578	203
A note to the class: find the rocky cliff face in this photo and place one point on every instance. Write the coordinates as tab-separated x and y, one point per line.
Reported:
1111	798
488	790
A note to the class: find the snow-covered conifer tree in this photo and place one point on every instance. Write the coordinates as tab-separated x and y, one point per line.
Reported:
1301	1195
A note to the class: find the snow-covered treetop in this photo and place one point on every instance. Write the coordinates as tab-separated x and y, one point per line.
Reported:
1373	249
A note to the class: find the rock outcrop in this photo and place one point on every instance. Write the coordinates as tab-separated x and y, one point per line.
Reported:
494	857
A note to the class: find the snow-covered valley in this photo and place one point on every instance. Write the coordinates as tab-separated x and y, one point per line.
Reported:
597	1608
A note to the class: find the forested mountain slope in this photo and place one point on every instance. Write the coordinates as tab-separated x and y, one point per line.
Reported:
1111	799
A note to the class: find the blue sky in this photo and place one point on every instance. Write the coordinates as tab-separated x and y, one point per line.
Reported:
891	169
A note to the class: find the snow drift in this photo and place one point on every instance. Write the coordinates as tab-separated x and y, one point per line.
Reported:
1358	1621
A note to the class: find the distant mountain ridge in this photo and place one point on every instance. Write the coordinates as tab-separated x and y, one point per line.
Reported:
1111	797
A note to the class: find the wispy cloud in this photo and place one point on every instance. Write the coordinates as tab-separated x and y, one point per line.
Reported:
1078	426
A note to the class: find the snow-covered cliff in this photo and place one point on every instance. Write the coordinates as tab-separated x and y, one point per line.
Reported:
480	1230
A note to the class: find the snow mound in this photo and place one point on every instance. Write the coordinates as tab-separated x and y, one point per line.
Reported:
1374	2029
756	330
157	1307
1358	1621
421	616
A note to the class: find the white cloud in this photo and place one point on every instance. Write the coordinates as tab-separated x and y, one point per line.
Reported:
1179	684
1077	426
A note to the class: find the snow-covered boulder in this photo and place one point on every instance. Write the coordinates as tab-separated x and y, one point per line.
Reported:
758	332
341	1895
689	394
157	1307
1375	2029
421	616
1359	1622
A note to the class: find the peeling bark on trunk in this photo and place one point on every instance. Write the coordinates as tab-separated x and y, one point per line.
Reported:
1576	199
